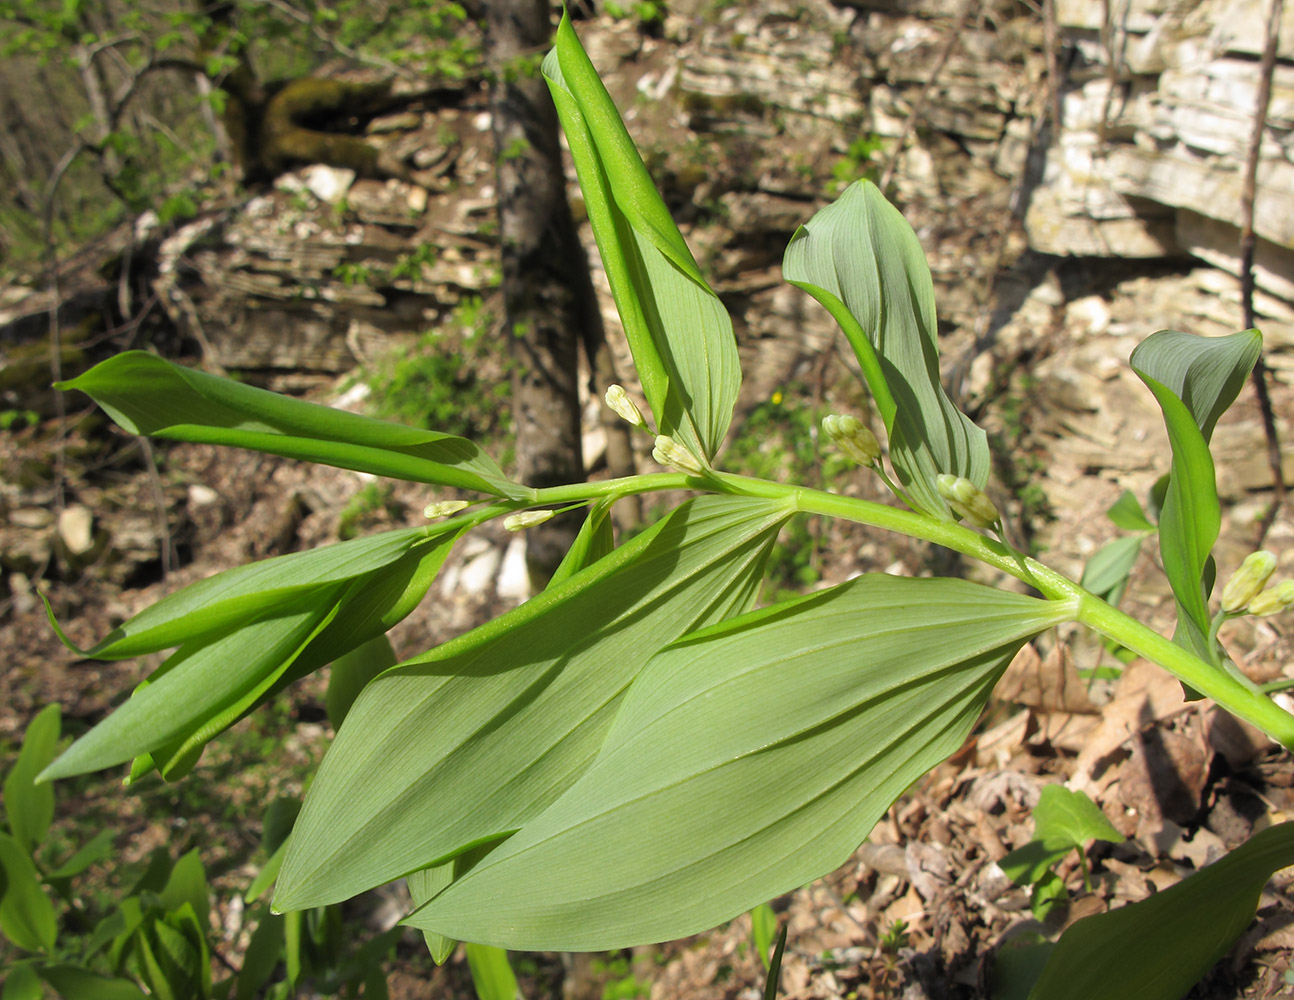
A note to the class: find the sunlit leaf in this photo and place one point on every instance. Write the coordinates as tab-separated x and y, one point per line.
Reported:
679	332
491	973
462	745
29	807
1127	514
147	395
351	671
862	261
1064	821
747	760
1159	948
1106	573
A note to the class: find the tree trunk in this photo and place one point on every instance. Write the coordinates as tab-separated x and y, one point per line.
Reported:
547	294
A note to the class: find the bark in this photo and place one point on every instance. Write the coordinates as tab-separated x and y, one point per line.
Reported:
548	297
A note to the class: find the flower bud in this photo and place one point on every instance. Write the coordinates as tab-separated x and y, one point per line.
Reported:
526	519
1273	600
852	437
619	401
443	508
967	500
1248	580
669	452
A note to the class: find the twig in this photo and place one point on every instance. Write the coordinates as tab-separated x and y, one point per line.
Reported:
1248	242
1051	38
159	506
954	33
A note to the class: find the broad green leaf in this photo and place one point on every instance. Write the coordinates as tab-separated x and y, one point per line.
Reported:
22	983
862	261
1064	821
147	395
491	972
746	760
463	744
26	914
29	807
1158	948
422	886
1106	573
1194	380
210	683
679	332
211	606
594	540
73	983
1205	373
351	671
1127	514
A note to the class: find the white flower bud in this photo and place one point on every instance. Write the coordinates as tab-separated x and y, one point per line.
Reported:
1248	580
1273	600
526	519
853	438
967	500
670	453
619	401
444	508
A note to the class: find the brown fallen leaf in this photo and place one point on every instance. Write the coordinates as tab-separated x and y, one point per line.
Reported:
1049	685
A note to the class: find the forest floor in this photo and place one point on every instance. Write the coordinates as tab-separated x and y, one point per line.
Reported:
921	909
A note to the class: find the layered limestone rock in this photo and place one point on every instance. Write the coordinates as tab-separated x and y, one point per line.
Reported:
1158	108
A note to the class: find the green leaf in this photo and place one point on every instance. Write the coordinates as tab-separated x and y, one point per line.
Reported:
595	540
1158	948
1194	379
210	683
747	760
491	973
1064	820
351	671
212	606
29	807
268	873
94	850
678	330
147	395
26	914
463	744
74	983
1106	573
1048	893
262	955
775	966
763	930
1126	513
188	884
862	261
22	983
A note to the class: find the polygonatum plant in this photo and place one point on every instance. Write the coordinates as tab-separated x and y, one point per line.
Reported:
640	752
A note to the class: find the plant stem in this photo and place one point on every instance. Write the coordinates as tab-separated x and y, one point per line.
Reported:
1088	609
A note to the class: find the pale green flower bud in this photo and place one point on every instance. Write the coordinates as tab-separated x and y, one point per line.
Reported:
852	437
444	508
1248	580
967	500
526	519
669	452
1273	600
619	401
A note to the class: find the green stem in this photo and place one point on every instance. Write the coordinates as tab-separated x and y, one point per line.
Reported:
1088	609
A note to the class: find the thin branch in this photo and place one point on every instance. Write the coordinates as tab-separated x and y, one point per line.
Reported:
1248	242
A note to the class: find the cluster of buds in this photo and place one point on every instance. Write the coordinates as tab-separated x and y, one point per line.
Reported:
967	500
852	437
1245	588
670	453
444	508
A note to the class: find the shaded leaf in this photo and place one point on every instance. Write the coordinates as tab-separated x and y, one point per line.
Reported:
747	760
262	956
351	671
29	807
73	983
862	261
94	850
188	884
678	330
26	914
147	395
1106	573
1126	513
463	744
1158	948
775	967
